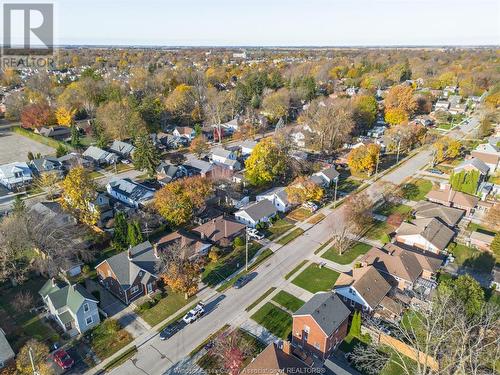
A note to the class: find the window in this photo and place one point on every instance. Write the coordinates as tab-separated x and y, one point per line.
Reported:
306	328
352	303
86	307
89	320
134	289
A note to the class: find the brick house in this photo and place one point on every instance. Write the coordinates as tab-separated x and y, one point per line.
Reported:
320	324
132	273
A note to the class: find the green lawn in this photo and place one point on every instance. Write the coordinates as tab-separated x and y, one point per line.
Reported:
288	301
107	338
475	259
348	185
347	346
278	228
393	368
416	190
379	231
290	236
260	299
315	279
388	209
299	266
348	256
274	319
217	272
165	307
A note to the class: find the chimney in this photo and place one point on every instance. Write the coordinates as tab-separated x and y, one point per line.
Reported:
155	251
129	252
53	280
286	347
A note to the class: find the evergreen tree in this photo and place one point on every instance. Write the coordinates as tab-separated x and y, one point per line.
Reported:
18	206
61	151
120	235
75	136
355	329
134	235
146	155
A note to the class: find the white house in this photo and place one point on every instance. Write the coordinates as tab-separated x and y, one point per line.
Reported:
225	158
255	213
100	156
328	176
129	192
489	153
184	132
278	197
247	147
443	105
15	175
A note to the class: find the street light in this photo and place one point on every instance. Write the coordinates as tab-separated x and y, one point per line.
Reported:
335	193
246	248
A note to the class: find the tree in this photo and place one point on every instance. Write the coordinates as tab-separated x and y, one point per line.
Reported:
79	194
61	150
75	136
49	183
39	354
355	329
446	149
232	350
120	233
37	115
268	162
401	96
495	245
145	156
396	116
302	190
119	120
465	181
465	290
177	271
65	116
277	104
181	104
23	301
331	121
14	105
177	201
364	159
18	206
218	108
365	111
134	233
199	145
405	136
359	214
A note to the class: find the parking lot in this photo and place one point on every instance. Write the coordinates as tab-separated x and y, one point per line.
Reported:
15	147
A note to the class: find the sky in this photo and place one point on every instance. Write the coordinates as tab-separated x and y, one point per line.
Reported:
276	22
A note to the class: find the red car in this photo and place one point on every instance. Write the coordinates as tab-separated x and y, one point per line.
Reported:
63	359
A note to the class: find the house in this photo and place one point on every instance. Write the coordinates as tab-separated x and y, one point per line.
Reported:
220	230
166	172
60	133
320	325
473	164
132	273
46	164
102	204
276	359
225	158
184	132
129	192
328	175
257	212
195	166
191	245
442	105
495	278
448	215
247	147
71	306
232	125
6	353
278	197
481	240
15	175
489	153
74	159
403	268
54	211
428	234
230	197
446	196
99	156
124	149
363	289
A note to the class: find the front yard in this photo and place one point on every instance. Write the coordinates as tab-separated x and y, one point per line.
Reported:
278	228
348	256
416	190
316	279
288	301
290	236
107	338
388	209
274	319
163	307
299	214
380	231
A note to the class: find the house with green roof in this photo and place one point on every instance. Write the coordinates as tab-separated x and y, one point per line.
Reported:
71	306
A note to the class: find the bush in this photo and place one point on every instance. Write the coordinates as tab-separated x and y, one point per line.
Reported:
261	226
385	238
86	269
239	241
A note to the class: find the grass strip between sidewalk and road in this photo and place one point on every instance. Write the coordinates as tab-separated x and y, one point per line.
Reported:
298	267
121	359
290	236
260	299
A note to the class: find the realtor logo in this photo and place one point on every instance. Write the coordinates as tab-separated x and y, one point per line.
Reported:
28	29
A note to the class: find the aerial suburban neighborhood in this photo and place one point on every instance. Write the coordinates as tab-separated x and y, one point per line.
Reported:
213	209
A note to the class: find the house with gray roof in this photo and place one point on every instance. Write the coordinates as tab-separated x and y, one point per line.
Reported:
47	164
132	273
124	149
326	176
70	306
225	158
15	175
427	234
99	156
278	197
448	215
6	353
320	325
167	172
247	147
131	193
473	164
257	212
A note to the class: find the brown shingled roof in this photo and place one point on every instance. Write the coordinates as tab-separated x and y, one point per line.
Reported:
430	229
274	361
219	228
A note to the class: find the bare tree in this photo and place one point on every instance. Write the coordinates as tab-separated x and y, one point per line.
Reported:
232	350
23	301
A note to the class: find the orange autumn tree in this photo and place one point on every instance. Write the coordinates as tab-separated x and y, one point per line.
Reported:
364	158
302	190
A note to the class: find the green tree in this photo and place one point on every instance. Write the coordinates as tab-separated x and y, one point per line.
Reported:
146	156
365	111
466	290
75	136
495	245
134	234
18	206
61	151
355	329
120	235
466	182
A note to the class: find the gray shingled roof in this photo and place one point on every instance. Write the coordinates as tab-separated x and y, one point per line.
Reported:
431	229
476	163
6	352
449	215
261	209
122	148
327	309
132	189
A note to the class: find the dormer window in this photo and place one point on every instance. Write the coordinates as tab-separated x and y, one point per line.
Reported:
86	307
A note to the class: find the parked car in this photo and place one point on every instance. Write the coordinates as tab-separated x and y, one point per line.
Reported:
126	161
254	233
310	206
171	330
435	171
62	358
241	282
194	314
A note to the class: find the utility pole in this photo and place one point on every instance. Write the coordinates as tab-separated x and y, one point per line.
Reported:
376	166
399	146
246	248
335	193
32	362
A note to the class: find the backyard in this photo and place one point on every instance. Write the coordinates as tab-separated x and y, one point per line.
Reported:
468	257
348	256
274	319
316	279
